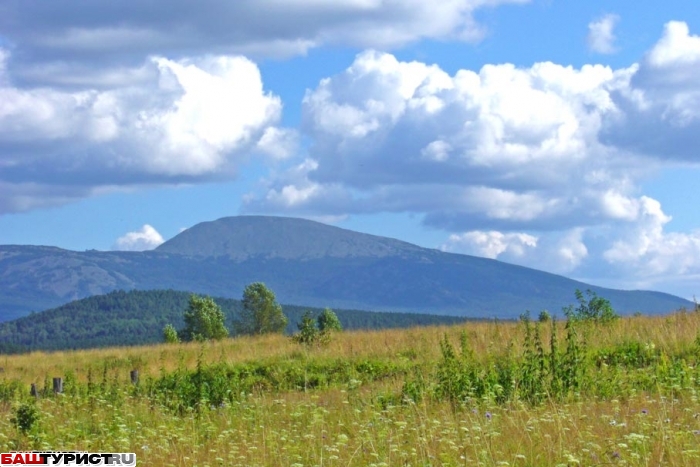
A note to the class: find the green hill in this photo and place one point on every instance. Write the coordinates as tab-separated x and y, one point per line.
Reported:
137	317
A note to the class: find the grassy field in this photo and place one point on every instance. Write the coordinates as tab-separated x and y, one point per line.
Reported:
491	394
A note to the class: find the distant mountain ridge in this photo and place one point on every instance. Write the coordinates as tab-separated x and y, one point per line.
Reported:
305	263
245	237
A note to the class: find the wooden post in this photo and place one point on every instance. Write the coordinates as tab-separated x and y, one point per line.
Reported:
134	376
58	385
33	391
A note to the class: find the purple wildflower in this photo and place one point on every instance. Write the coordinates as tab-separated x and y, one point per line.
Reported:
488	415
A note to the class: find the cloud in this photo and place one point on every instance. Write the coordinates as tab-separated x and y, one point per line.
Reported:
186	121
644	246
25	196
63	30
122	94
601	36
490	244
658	101
145	239
504	147
504	155
560	252
676	47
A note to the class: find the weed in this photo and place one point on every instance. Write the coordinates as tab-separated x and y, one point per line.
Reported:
26	415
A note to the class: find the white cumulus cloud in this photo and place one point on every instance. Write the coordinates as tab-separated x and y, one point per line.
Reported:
145	239
190	121
504	144
646	247
490	244
560	252
503	155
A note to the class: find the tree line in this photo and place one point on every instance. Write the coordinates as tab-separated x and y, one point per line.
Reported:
137	317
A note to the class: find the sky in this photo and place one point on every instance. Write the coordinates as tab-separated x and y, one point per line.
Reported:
558	135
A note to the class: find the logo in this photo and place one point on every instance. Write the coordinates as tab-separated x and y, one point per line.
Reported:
67	458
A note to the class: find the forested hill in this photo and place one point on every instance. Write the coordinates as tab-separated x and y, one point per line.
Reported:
137	317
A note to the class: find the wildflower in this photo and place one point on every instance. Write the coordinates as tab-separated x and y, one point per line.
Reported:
645	411
488	415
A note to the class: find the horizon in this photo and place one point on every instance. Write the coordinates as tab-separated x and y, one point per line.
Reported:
333	226
553	135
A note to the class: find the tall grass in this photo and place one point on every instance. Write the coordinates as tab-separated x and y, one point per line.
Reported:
488	394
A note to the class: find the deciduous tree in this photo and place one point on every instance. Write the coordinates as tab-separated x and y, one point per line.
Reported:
204	320
261	313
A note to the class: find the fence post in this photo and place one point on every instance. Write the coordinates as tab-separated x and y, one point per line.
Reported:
58	385
134	376
33	391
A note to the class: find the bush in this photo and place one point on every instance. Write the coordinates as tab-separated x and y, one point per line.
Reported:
328	321
318	332
308	333
25	417
170	335
595	309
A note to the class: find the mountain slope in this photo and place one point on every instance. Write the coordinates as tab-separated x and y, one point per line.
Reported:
305	263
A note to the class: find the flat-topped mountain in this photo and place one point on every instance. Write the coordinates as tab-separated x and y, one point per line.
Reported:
305	263
245	237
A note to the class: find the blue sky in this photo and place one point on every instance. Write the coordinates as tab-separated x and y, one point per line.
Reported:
554	134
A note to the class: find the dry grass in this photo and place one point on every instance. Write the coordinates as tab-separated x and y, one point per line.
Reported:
486	338
361	424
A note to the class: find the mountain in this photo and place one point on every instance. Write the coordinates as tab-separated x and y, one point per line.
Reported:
137	317
247	237
304	263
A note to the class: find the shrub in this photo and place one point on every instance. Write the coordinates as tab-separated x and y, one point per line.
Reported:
318	332
25	417
308	333
170	335
328	321
595	308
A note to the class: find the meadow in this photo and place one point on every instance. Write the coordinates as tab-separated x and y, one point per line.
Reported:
476	394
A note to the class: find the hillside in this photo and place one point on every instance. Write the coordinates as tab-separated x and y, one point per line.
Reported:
137	317
305	263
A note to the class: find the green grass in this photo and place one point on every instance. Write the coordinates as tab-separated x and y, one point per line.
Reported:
489	394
